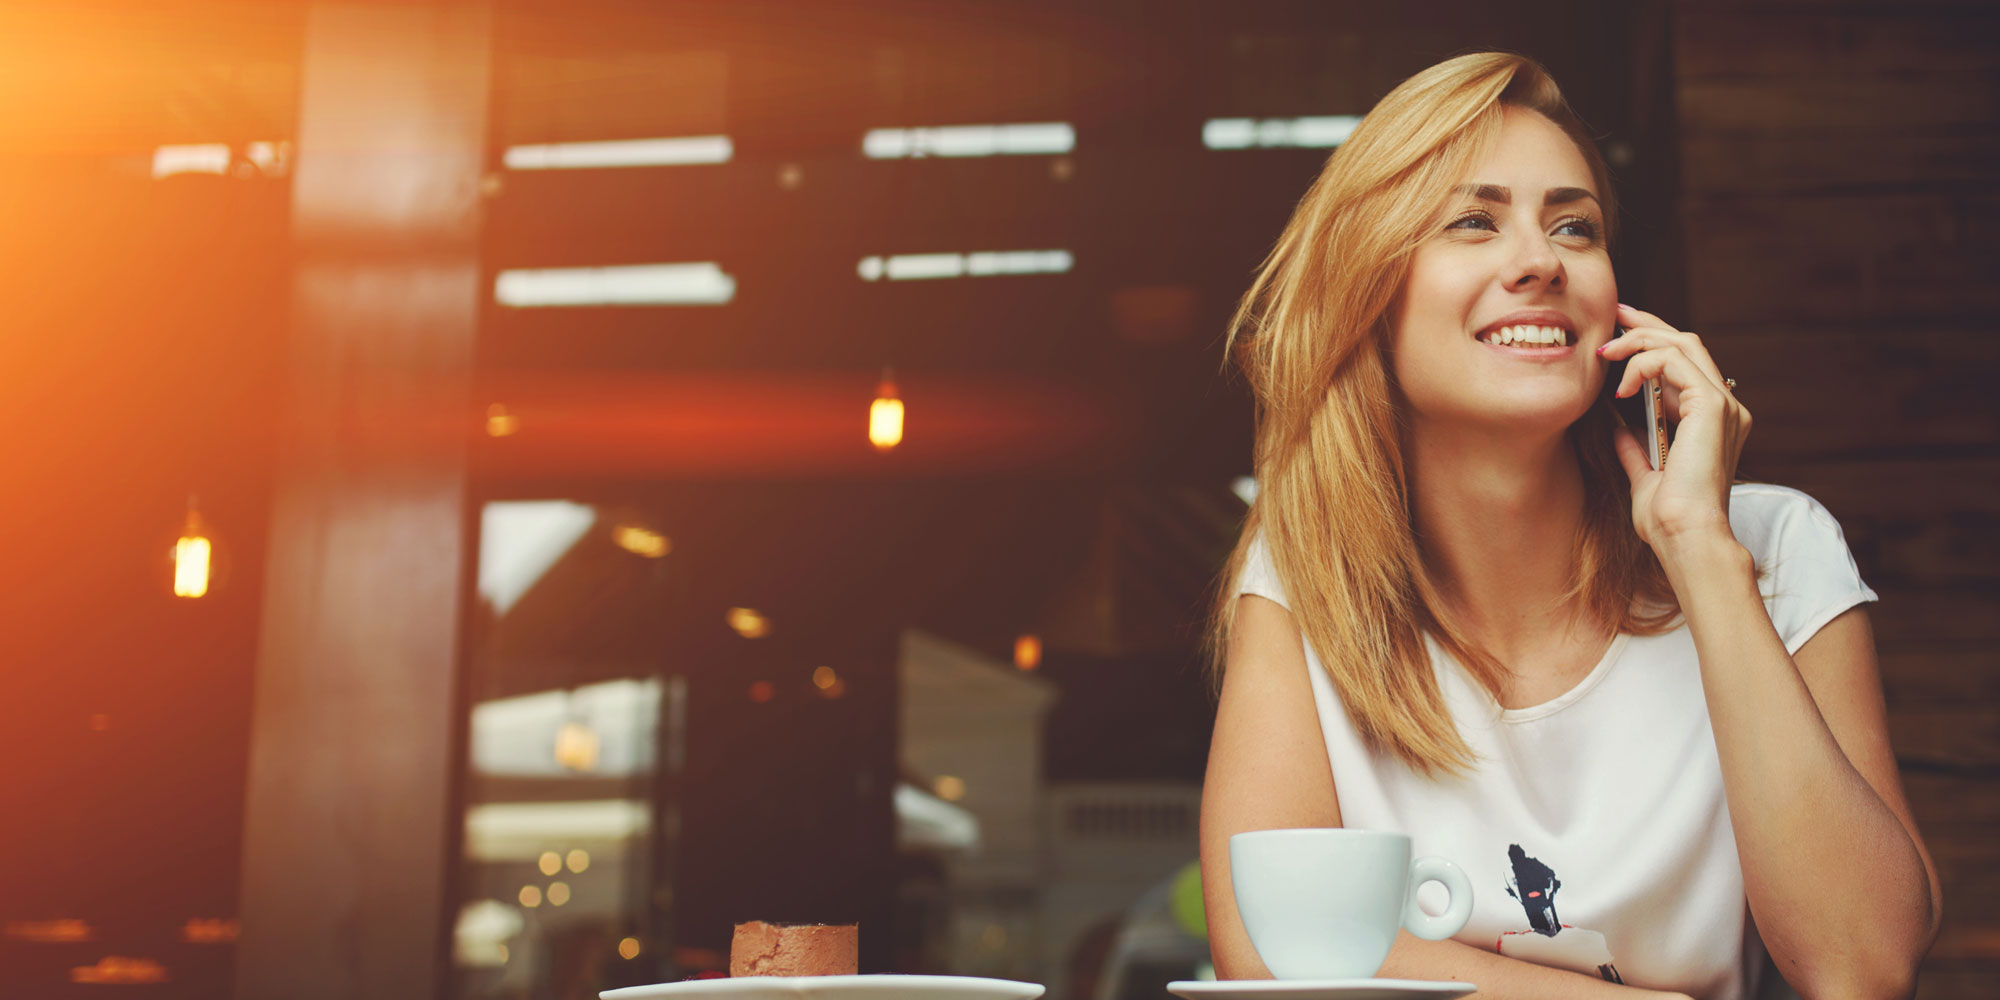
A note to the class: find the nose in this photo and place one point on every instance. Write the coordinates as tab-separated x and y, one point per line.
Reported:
1534	262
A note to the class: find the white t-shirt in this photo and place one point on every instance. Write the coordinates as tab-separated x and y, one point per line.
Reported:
1594	828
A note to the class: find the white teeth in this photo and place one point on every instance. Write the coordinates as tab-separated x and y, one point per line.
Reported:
1527	335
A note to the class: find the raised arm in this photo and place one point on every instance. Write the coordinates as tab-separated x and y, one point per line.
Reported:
1844	893
1267	769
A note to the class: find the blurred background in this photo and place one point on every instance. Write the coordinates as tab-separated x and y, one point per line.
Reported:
500	491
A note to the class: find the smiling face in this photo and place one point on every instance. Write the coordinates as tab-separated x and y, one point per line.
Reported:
1521	245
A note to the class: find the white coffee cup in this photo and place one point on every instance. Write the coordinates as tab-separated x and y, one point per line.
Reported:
1326	903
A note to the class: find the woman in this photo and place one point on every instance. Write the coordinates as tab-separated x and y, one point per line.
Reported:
1466	608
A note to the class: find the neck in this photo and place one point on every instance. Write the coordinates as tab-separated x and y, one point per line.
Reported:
1497	515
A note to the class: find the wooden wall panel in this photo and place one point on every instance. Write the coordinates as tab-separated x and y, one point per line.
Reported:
1767	43
1897	261
1836	165
1836	162
1851	392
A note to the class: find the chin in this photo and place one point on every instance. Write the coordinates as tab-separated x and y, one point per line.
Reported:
1532	416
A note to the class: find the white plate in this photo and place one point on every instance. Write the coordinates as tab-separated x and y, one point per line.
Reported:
1317	989
832	988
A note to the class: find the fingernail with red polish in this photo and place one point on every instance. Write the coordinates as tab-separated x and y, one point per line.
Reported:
1600	349
1622	305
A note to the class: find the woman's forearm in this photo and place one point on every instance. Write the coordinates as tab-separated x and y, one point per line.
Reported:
1497	976
1840	893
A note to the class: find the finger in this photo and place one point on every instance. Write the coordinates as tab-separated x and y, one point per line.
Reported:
1653	338
1669	365
1631	454
1639	338
1640	317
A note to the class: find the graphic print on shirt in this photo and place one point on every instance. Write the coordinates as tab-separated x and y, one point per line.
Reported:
1549	941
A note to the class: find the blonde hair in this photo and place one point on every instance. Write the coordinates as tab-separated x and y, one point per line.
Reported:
1333	499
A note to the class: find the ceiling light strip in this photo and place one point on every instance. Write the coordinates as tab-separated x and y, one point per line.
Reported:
665	152
703	283
1027	139
926	266
1318	132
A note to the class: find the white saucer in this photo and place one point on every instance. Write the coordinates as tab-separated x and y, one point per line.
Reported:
1316	989
832	988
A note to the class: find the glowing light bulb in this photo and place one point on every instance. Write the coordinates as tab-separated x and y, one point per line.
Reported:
194	557
748	622
642	541
1028	652
885	416
500	423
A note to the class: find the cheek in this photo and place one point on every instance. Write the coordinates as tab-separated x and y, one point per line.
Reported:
1424	372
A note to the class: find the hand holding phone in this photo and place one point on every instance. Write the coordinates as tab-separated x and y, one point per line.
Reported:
1641	409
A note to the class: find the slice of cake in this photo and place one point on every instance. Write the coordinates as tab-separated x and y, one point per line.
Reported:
761	949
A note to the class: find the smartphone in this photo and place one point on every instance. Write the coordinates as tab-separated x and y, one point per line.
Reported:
1642	409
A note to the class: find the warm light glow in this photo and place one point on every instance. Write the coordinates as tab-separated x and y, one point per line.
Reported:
671	152
100	722
191	557
210	931
885	417
576	747
829	683
500	423
531	896
1028	652
117	969
66	931
628	948
748	623
206	158
270	157
702	283
579	859
550	862
641	541
986	263
1027	139
763	691
558	893
950	788
1317	132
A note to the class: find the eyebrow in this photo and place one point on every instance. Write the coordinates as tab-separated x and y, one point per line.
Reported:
1496	193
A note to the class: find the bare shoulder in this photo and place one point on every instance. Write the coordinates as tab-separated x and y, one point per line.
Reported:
1267	747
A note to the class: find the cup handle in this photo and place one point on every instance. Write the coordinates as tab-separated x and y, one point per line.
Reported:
1453	919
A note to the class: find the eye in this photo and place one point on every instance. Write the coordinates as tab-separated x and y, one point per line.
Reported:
1586	228
1472	217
